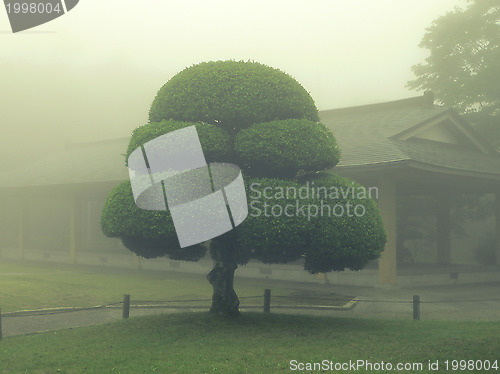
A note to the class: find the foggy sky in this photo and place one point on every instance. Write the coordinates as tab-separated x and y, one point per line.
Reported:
93	73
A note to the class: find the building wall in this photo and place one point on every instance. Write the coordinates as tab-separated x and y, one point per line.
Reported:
46	225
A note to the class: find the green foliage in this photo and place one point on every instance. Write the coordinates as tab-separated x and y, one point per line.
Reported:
269	236
166	246
215	142
225	247
463	68
147	233
232	95
263	120
351	235
121	216
286	223
283	148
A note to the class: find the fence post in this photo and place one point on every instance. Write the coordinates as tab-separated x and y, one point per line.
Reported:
0	323
126	306
267	300
416	307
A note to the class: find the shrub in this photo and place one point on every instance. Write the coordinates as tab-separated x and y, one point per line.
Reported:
347	241
270	237
232	95
283	148
329	242
215	142
265	121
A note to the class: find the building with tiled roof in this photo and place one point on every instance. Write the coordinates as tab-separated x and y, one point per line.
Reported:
402	147
413	146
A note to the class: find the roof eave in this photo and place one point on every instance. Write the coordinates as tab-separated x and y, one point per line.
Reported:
413	164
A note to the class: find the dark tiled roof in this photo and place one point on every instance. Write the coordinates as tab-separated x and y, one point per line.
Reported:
363	135
367	136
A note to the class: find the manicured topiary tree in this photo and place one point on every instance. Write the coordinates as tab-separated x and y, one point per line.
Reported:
264	121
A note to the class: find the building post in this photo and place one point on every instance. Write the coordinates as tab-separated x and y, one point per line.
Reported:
497	218
72	230
20	227
89	236
443	229
387	263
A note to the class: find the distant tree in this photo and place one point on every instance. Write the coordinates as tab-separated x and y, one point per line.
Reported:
264	121
417	220
463	68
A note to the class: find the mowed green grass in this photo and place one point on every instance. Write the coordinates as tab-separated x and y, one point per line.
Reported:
27	287
253	343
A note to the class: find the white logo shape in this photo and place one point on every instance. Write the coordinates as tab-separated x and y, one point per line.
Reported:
173	166
24	15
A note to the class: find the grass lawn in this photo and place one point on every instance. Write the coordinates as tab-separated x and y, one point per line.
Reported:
25	287
254	343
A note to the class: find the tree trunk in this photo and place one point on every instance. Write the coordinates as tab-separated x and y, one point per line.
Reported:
221	277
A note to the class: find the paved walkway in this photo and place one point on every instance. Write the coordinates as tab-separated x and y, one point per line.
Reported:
476	302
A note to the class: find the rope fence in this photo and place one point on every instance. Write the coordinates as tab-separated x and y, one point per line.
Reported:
127	304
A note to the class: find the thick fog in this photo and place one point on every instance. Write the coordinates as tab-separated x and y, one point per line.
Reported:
93	73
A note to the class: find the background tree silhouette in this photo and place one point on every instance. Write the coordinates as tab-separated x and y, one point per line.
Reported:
264	121
463	68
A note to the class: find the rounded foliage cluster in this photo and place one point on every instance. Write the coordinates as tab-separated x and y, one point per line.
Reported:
328	220
283	148
147	233
121	216
232	95
348	240
215	142
272	238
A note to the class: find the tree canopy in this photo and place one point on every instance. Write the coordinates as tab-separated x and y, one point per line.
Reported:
264	121
463	68
232	95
